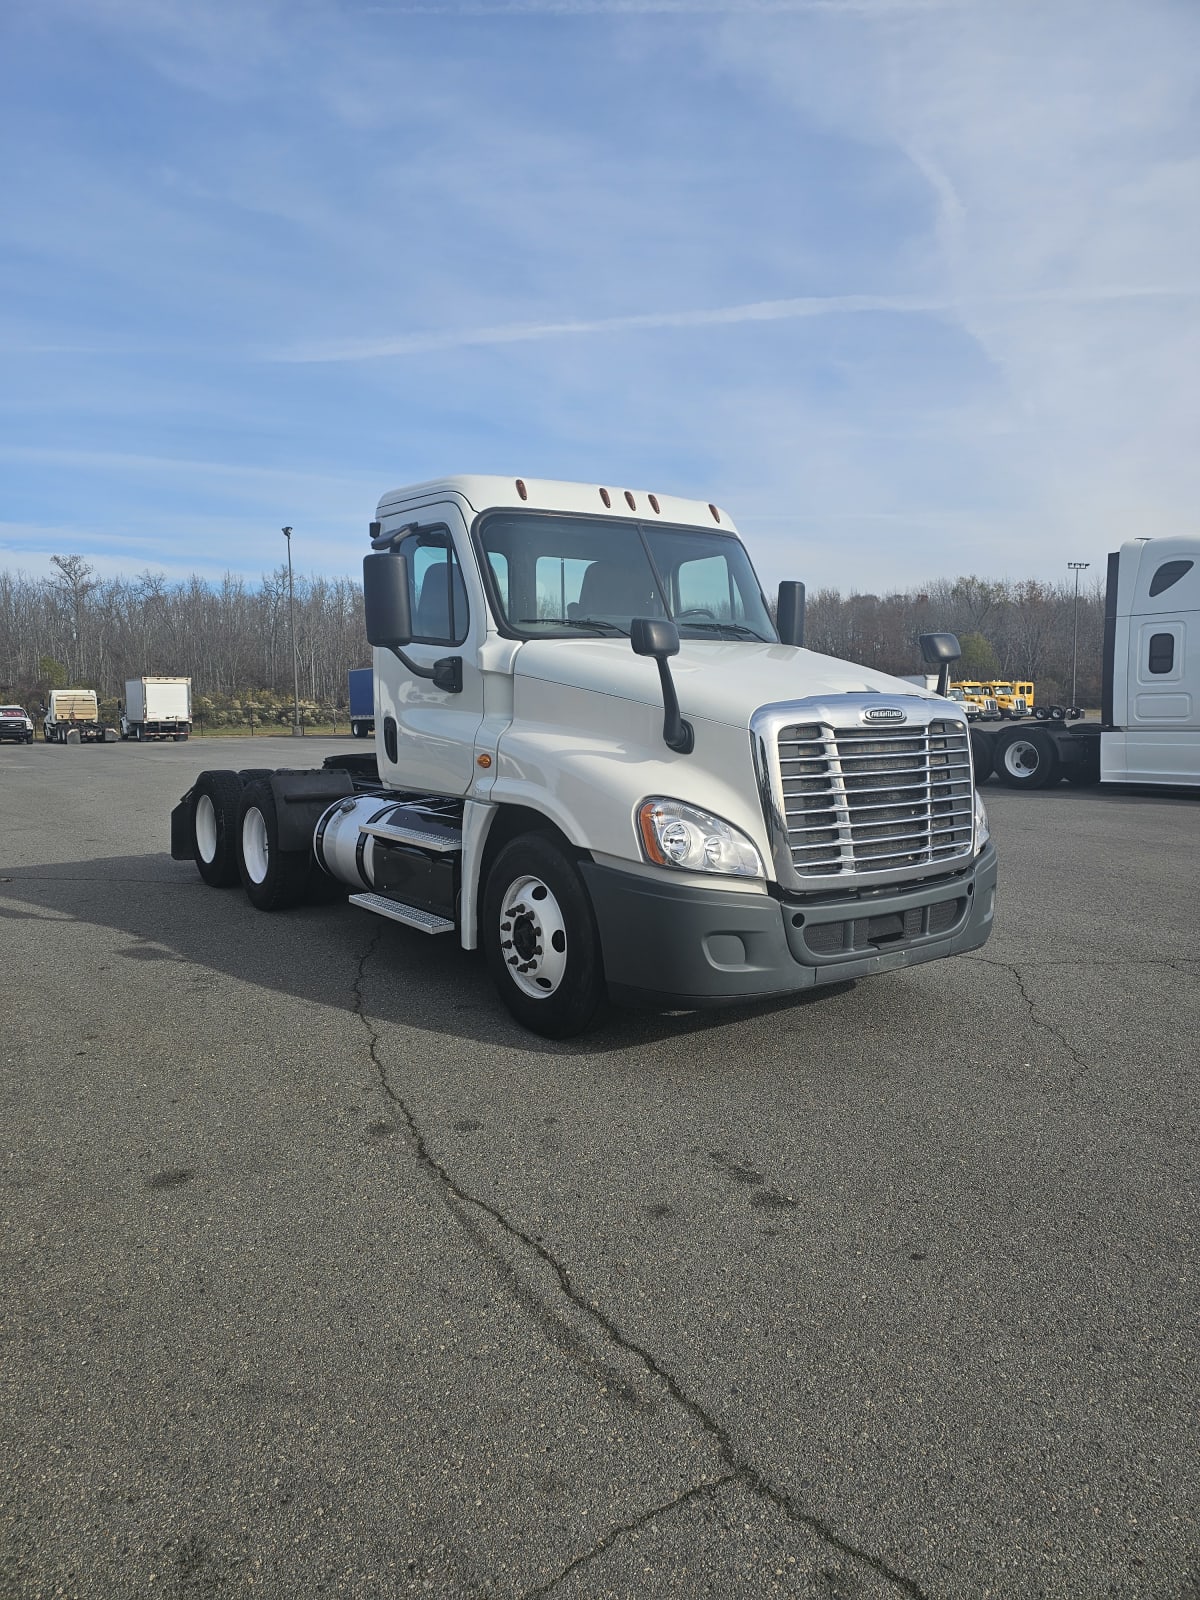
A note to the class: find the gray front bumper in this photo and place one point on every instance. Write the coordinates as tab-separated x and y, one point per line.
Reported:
674	945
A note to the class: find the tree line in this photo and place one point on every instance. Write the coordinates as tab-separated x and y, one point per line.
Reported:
232	638
1007	630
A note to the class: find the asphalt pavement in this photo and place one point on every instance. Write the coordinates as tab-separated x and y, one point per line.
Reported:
319	1277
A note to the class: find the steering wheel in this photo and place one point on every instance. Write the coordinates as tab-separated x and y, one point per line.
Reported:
695	611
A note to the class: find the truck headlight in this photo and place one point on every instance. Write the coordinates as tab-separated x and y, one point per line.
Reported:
674	834
982	831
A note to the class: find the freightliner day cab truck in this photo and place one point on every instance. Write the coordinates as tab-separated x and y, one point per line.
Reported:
1149	728
599	759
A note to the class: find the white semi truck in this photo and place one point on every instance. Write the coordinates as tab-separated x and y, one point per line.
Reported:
157	708
72	711
599	758
1149	728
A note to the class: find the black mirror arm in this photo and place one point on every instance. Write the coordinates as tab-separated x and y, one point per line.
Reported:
678	735
446	672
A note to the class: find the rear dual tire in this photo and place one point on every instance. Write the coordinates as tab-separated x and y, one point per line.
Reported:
982	758
274	879
1026	760
214	816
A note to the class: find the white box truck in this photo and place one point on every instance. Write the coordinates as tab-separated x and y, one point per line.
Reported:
157	708
1149	728
599	758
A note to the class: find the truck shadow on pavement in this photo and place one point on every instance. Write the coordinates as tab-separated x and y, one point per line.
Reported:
333	954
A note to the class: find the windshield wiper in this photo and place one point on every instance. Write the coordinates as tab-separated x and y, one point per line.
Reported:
738	629
598	623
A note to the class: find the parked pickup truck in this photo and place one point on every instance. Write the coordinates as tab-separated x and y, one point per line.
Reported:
16	724
599	758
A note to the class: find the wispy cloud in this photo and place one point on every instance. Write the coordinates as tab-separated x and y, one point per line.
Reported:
724	316
679	8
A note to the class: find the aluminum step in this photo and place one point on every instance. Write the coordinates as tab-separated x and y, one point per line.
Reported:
442	843
410	916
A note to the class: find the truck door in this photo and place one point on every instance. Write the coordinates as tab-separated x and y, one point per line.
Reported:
1163	719
427	736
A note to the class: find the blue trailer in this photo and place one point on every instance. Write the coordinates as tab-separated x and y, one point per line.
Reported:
362	703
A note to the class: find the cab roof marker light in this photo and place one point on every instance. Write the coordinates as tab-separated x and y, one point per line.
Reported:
654	504
606	497
716	515
521	489
630	501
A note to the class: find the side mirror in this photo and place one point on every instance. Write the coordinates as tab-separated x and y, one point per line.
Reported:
939	647
939	650
654	636
385	601
789	613
659	637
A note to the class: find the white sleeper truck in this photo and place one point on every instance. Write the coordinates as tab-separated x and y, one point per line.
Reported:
1149	728
599	758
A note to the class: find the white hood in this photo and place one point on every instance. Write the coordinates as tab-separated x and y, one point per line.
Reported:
721	680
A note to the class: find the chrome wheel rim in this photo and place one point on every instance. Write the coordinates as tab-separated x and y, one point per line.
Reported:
533	937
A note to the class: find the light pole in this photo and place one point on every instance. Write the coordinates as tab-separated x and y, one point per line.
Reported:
296	728
1076	567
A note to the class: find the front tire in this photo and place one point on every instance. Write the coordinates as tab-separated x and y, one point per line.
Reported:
1027	760
214	815
540	938
273	879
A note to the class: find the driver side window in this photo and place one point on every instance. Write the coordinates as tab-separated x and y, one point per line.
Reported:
436	592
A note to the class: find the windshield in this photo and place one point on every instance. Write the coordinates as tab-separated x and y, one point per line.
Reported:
558	577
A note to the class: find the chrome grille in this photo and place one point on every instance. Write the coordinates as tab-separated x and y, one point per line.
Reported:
865	800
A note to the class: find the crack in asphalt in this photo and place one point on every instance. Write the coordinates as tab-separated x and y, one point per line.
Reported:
628	1529
1180	964
1035	1016
740	1469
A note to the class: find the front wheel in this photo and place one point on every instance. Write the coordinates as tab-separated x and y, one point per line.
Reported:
540	938
273	879
1027	760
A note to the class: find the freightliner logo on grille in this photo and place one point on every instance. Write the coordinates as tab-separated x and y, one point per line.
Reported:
885	714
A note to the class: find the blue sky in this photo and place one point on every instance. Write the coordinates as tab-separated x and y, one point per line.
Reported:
910	286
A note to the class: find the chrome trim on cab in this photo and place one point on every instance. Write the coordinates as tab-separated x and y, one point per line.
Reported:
850	802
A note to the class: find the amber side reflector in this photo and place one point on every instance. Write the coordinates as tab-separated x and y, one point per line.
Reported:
715	512
606	497
654	504
646	829
483	760
521	489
